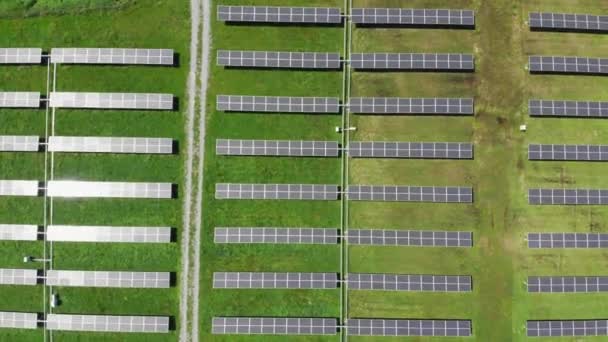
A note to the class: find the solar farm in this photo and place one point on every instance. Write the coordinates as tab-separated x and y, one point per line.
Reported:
430	171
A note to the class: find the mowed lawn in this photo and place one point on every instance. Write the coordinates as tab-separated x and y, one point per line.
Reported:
135	26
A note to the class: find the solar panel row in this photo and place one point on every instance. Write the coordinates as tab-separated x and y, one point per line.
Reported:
381	237
409	16
567	284
409	282
20	56
279	59
567	328
568	152
408	327
286	15
567	108
412	61
18	232
112	56
276	191
406	193
277	104
397	105
430	150
271	280
568	196
276	235
567	240
21	99
109	189
108	234
18	320
274	326
18	188
111	145
111	100
19	143
10	276
293	148
102	323
109	279
564	64
566	21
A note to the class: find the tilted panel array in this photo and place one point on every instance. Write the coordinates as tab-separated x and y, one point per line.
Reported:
412	61
568	108
383	237
402	105
112	56
567	328
276	191
409	282
279	59
274	326
18	188
568	65
19	99
19	143
20	55
276	235
278	104
109	189
568	152
568	196
102	323
430	150
273	280
109	279
18	320
18	232
405	193
111	100
111	145
414	17
291	148
10	276
108	234
552	284
568	22
285	15
567	240
408	327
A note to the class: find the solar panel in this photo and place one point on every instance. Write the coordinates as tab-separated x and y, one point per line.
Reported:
18	188
430	150
567	284
111	100
109	189
286	15
401	105
112	56
102	323
568	196
319	236
18	320
19	143
567	328
18	232
568	152
413	17
274	326
109	279
108	234
409	282
20	56
276	191
568	108
407	193
382	237
277	104
293	148
567	240
9	276
568	22
408	327
568	65
273	280
279	59
21	99
412	61
111	145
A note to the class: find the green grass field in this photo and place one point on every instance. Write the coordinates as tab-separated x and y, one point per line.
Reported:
134	26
